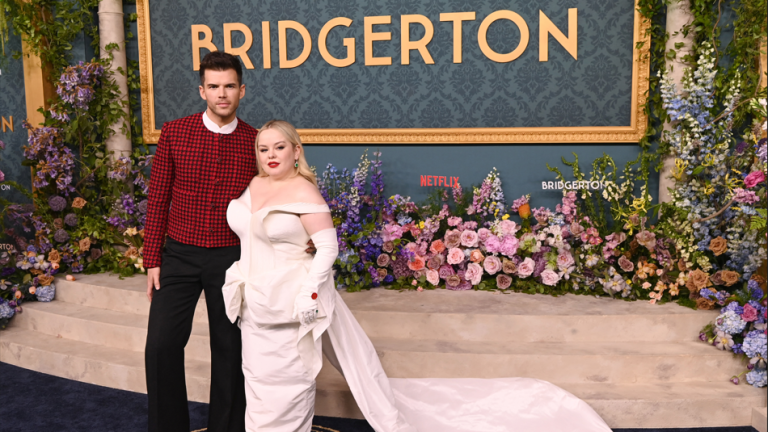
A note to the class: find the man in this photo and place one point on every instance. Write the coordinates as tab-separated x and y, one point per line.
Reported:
202	162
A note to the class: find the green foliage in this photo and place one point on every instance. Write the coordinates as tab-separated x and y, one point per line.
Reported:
48	27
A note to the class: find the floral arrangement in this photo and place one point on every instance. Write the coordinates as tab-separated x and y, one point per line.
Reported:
88	207
717	215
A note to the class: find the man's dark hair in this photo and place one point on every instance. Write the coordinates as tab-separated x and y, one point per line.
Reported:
220	61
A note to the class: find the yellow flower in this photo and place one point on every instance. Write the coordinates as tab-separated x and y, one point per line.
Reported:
421	224
140	265
709	189
505	217
709	160
680	167
131	232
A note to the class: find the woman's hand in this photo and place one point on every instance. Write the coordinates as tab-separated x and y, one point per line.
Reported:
305	308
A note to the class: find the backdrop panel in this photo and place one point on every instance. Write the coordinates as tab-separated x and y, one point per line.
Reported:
482	77
13	110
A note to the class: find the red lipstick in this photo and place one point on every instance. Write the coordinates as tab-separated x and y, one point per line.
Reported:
273	164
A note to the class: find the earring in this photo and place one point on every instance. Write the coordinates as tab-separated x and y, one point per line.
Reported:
296	165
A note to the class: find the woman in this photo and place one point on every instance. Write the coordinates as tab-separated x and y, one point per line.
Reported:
290	313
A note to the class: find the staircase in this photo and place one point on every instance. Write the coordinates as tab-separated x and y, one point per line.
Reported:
638	365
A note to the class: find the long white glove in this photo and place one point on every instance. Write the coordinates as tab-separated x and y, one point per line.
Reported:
305	308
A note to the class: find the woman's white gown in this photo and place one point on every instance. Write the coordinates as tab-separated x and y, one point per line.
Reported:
281	361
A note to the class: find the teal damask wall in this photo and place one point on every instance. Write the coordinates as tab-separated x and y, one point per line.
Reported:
13	103
593	91
524	86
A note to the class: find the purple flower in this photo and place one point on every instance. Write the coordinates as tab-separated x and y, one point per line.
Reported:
57	203
71	219
61	236
2	175
740	147
142	206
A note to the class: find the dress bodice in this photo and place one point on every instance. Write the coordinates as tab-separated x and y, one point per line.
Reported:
272	237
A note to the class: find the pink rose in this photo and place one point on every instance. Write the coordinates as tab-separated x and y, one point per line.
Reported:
454	221
388	247
754	178
391	232
549	277
445	271
452	282
437	246
508	227
626	264
576	228
749	314
435	262
455	256
503	281
474	273
525	268
433	277
383	260
452	239
509	245
483	234
492	244
647	239
492	265
469	225
564	260
469	238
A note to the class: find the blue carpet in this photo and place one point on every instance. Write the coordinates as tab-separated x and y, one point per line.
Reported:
35	402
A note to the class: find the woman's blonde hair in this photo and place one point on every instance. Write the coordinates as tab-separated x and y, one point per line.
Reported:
292	135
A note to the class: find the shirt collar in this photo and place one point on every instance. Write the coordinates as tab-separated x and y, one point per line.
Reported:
213	127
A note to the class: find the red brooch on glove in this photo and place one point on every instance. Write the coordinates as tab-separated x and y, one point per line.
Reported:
314	296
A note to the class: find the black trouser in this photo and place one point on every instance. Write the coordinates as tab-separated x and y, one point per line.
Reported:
186	271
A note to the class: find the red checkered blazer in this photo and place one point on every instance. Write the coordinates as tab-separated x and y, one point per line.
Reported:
195	173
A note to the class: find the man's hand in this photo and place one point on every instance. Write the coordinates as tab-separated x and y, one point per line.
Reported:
153	281
310	247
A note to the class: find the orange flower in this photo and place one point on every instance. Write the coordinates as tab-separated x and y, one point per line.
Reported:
718	246
476	256
417	264
18	294
132	252
70	278
524	211
45	280
79	203
85	244
53	256
32	290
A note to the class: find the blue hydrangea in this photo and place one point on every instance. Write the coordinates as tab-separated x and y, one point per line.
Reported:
735	307
730	322
755	344
6	312
45	293
736	348
706	293
757	378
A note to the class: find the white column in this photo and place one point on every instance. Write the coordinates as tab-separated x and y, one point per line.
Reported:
678	16
112	30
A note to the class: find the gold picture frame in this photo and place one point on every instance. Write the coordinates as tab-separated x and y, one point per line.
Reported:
483	135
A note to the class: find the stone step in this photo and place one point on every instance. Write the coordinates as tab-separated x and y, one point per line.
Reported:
407	358
115	329
110	292
655	405
91	363
760	419
454	316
